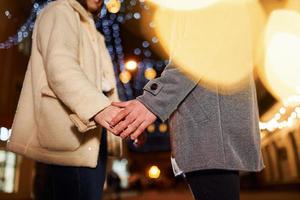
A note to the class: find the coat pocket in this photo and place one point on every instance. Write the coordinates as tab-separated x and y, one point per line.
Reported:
190	110
56	130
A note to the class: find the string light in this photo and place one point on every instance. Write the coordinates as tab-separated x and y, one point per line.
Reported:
25	29
109	24
274	123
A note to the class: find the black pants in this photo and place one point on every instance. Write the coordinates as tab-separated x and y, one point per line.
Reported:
73	183
214	184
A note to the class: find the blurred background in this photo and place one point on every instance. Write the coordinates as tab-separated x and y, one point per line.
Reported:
137	39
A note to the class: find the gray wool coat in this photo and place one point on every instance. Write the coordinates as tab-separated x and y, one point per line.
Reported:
209	130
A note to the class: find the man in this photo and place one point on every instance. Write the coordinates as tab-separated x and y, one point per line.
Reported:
214	135
214	129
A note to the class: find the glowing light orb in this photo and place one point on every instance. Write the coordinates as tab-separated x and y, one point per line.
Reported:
184	4
282	60
150	73
163	128
125	77
154	172
151	128
113	6
4	133
131	65
215	44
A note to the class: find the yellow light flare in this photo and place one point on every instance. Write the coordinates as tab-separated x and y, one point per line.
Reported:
215	44
154	172
184	4
151	128
282	62
125	76
163	128
150	73
113	6
131	65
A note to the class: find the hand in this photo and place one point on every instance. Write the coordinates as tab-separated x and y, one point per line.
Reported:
136	118
105	116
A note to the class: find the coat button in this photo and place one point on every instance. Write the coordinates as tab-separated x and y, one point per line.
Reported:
154	86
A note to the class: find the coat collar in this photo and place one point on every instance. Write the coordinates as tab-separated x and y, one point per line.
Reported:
84	14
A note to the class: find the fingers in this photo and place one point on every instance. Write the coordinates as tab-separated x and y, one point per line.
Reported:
120	104
120	127
106	126
120	116
139	130
131	128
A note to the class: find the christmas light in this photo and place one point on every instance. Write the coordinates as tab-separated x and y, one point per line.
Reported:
25	29
274	123
109	24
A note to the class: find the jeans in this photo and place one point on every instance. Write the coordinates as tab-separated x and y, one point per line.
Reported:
214	184
73	183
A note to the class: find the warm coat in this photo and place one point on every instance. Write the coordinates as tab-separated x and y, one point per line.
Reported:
62	90
209	130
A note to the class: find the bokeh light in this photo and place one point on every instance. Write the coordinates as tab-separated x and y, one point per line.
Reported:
4	133
113	6
151	128
198	48
125	76
282	61
163	128
150	73
131	65
154	172
184	5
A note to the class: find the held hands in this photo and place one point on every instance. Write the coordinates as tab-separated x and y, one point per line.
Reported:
105	116
132	120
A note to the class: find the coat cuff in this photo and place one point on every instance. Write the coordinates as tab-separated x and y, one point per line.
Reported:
90	106
154	106
82	127
83	119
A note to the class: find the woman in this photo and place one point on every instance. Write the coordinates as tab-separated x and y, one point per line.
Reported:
62	101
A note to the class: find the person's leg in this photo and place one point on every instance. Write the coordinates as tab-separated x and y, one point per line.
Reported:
92	180
78	183
42	182
214	184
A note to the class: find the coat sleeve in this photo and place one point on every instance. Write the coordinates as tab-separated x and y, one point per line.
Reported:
58	42
163	95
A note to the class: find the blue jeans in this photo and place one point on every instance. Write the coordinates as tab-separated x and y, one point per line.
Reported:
75	183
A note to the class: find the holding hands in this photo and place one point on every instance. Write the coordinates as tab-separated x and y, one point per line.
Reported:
106	116
126	119
133	119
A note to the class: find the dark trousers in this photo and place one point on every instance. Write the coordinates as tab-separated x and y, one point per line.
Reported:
73	183
214	184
